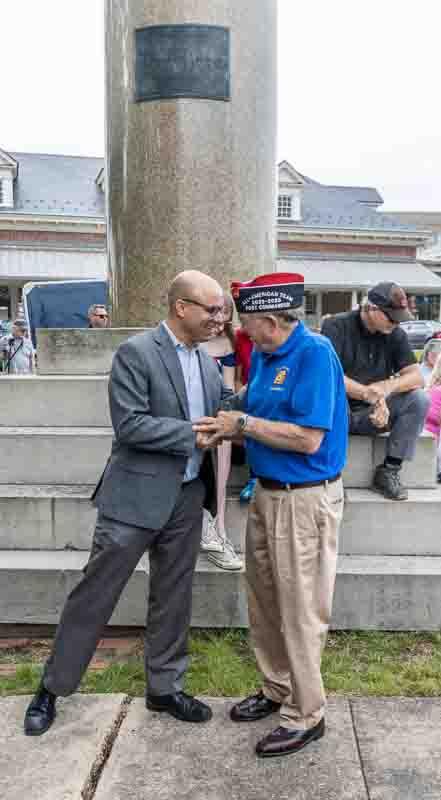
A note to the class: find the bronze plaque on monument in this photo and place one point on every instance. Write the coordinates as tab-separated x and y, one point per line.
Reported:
182	61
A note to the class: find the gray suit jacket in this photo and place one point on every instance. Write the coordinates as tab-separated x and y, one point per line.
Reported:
153	432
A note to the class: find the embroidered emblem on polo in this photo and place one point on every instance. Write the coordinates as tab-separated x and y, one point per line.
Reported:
281	376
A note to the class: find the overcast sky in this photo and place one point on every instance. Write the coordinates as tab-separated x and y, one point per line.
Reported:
359	92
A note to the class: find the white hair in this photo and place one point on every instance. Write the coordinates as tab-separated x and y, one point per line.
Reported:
430	347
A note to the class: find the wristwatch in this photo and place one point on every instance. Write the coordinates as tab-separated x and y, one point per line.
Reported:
242	422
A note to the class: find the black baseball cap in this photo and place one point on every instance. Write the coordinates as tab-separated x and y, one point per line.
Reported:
391	299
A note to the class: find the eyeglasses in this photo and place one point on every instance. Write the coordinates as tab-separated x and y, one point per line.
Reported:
101	316
212	311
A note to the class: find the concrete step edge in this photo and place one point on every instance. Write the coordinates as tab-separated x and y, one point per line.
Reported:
35	379
75	560
53	431
353	496
67	561
50	491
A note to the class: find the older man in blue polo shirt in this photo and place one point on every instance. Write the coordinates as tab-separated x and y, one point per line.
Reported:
295	427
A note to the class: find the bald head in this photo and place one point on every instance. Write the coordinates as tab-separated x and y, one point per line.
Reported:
196	306
193	284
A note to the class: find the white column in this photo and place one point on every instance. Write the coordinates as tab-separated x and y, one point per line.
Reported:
319	306
13	296
354	298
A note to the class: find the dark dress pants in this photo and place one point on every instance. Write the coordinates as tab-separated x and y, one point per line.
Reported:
407	415
116	550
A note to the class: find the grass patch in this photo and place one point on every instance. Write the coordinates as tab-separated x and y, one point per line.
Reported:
222	664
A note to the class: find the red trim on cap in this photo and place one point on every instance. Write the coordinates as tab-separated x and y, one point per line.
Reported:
273	279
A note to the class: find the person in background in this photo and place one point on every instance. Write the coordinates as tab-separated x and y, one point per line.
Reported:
244	349
16	351
432	348
382	379
433	416
98	316
215	543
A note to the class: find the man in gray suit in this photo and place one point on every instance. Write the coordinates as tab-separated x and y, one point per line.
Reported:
150	497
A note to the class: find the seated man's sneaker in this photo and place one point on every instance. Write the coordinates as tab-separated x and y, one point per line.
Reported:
211	542
255	707
387	482
180	705
227	559
40	713
248	490
284	741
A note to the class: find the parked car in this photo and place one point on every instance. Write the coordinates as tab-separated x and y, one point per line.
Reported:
419	331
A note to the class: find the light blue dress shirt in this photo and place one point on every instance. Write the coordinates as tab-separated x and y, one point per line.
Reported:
189	360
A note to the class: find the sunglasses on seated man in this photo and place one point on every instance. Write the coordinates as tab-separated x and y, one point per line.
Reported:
394	322
212	311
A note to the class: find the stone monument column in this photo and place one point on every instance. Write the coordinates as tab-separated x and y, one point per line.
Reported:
191	145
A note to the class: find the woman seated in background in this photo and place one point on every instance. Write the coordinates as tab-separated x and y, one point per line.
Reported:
215	543
433	416
431	351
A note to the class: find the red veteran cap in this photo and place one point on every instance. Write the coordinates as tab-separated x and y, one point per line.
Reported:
279	291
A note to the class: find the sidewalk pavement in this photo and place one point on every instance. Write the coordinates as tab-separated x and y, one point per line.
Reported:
107	747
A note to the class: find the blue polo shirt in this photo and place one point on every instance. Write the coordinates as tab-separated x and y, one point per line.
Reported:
301	382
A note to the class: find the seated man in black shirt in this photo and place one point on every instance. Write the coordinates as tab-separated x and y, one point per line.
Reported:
383	382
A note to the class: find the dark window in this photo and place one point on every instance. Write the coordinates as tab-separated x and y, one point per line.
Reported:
310	303
428	306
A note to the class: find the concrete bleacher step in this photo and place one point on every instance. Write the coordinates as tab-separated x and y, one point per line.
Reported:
62	518
76	455
53	455
388	593
34	585
383	593
365	453
373	525
59	400
46	517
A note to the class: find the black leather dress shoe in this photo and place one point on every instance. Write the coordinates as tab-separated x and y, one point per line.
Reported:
255	707
180	705
284	741
40	713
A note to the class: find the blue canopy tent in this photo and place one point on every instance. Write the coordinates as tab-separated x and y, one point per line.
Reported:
61	304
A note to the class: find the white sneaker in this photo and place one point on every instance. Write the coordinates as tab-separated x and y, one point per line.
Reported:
211	542
227	559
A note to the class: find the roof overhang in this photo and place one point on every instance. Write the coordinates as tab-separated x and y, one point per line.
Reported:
24	265
342	275
290	231
7	161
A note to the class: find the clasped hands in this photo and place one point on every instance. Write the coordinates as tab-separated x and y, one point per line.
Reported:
211	431
375	395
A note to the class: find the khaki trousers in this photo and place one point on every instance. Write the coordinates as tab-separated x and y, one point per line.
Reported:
291	558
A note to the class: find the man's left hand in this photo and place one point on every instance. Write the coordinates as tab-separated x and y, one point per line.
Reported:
224	426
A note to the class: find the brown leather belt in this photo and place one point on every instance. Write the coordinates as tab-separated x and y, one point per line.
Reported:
269	483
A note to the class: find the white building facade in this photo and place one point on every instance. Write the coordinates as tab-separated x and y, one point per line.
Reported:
52	222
